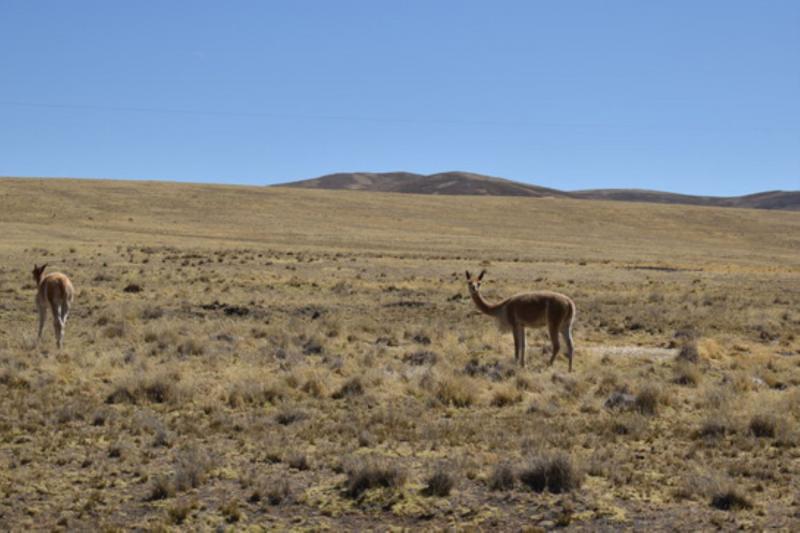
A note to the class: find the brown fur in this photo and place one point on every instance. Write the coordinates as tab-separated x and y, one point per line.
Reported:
530	309
54	290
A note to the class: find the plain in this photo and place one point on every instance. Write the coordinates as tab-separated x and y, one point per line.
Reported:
285	358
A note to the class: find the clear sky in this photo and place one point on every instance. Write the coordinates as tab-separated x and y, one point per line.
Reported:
692	96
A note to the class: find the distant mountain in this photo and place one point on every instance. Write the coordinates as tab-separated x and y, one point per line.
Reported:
764	200
467	183
458	183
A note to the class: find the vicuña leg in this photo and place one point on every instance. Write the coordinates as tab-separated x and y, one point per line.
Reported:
515	332
42	318
522	346
552	328
567	332
58	327
64	315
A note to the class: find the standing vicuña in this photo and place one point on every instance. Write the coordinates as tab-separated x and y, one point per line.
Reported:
55	290
531	309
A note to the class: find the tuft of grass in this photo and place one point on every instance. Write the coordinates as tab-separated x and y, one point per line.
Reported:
178	512
713	428
298	461
163	488
152	313
352	387
502	477
191	347
763	426
116	331
505	396
632	425
440	483
648	399
191	469
290	416
370	475
730	499
252	392
689	352
230	511
687	374
556	473
279	492
143	387
456	391
132	288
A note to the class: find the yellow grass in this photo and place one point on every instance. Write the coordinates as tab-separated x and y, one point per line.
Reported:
285	339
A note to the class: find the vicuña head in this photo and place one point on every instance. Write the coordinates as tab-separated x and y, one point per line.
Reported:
53	290
530	309
474	284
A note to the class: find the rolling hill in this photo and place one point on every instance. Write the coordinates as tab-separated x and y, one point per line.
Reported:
453	183
467	183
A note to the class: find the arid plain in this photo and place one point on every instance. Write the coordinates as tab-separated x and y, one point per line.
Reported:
293	359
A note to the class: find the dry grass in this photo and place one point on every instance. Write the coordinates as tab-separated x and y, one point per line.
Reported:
311	360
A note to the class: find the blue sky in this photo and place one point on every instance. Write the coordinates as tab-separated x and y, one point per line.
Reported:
688	96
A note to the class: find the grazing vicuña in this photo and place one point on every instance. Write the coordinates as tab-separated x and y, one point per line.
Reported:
55	290
531	309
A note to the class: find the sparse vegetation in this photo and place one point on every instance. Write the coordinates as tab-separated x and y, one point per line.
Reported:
333	368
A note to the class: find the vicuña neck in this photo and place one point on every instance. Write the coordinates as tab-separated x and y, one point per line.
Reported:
483	305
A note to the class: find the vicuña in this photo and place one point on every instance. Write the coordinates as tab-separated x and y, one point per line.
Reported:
55	290
530	309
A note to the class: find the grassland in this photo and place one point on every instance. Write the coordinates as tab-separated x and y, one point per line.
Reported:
310	359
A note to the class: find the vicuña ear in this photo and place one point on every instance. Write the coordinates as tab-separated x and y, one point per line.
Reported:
43	267
468	276
480	276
